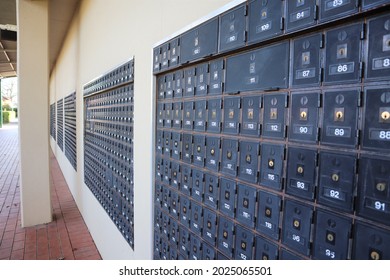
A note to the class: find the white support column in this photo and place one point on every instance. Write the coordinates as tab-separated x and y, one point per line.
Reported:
33	73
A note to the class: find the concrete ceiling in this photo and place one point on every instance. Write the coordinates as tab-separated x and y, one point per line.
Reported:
60	16
7	38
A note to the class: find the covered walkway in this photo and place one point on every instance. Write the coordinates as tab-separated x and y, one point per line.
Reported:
65	238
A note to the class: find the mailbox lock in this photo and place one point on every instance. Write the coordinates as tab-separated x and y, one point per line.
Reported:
303	115
198	149
306	58
229	155
271	163
250	114
330	237
268	212
375	255
243	245
381	187
339	115
385	115
248	158
300	170
335	177
265	257
297	224
273	113
212	152
208	224
225	234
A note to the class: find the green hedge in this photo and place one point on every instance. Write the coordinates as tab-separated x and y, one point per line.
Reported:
5	117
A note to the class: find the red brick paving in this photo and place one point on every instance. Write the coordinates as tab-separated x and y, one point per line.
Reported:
67	237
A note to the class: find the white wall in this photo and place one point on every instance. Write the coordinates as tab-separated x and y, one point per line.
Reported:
103	35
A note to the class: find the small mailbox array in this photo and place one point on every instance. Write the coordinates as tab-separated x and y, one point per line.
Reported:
273	134
70	129
108	144
60	123
53	120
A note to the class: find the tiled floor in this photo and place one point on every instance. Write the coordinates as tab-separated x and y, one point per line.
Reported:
67	237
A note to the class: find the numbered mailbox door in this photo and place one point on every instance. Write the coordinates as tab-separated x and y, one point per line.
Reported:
264	68
217	76
332	234
177	114
199	42
232	29
174	52
200	115
334	9
211	191
226	236
199	149
213	150
271	165
376	131
368	4
297	226
229	156
301	172
231	111
268	214
202	79
306	70
340	117
178	84
189	81
378	64
370	243
169	86
265	20
343	48
300	14
374	189
266	250
251	115
249	160
244	244
214	114
164	56
274	115
304	116
337	180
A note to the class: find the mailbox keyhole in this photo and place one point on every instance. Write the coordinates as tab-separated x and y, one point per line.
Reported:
385	115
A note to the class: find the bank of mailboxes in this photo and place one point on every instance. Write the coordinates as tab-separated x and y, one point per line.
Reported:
70	129
53	120
60	123
108	155
280	133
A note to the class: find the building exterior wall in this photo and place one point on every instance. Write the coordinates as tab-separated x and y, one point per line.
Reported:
103	35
